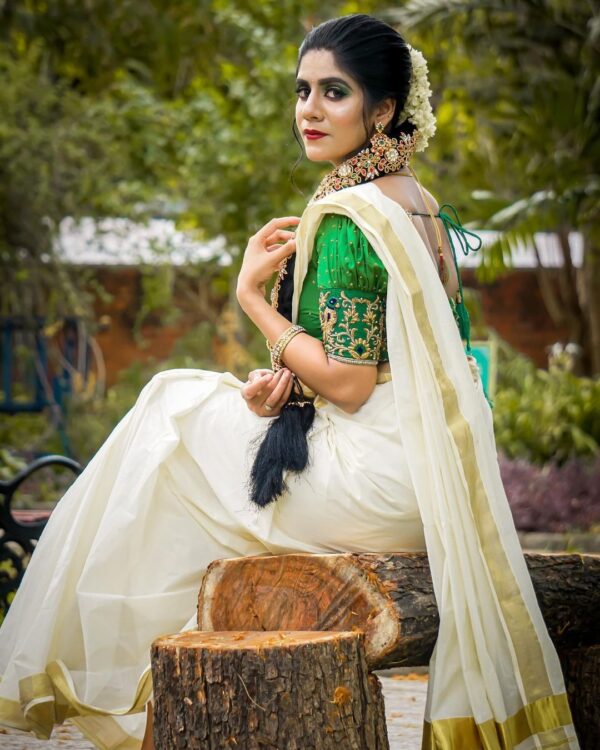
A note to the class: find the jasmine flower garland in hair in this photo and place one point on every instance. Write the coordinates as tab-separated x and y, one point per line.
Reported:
418	108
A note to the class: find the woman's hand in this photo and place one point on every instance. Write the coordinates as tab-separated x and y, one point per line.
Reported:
264	253
264	387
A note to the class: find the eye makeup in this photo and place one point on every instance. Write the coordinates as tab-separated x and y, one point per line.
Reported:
339	92
338	85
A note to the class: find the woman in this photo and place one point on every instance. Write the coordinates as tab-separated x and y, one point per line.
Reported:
374	434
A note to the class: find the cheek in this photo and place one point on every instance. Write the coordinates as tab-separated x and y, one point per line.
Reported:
349	116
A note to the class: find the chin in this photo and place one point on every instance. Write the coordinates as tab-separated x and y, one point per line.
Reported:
318	154
313	154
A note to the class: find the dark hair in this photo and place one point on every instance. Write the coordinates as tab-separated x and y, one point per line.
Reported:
377	56
374	54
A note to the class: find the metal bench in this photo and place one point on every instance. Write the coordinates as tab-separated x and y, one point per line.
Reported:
20	529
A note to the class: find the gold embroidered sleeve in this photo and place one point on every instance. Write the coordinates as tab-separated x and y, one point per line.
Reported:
353	325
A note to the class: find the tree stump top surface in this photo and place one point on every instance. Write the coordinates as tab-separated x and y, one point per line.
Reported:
224	640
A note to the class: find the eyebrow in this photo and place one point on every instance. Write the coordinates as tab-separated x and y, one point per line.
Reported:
325	81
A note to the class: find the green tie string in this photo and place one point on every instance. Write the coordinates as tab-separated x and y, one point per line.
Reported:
461	313
462	235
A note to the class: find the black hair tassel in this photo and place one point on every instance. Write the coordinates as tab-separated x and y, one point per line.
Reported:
284	446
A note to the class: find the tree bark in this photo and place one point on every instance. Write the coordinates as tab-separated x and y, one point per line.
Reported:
553	304
592	284
581	669
284	689
389	597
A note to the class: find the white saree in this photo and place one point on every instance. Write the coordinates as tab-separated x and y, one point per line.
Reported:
122	557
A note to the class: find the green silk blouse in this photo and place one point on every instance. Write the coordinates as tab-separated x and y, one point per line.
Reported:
343	297
344	294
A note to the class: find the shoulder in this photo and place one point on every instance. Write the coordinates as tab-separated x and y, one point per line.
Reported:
334	225
406	192
345	257
338	233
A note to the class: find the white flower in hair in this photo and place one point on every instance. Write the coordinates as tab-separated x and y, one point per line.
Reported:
417	108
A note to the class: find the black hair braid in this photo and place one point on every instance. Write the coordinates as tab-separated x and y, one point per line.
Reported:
284	445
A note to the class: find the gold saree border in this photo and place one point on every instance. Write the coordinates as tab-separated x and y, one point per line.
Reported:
523	639
533	719
48	698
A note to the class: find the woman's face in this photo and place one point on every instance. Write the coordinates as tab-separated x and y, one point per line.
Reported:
330	102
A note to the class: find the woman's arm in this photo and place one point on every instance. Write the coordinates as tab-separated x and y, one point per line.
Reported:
347	386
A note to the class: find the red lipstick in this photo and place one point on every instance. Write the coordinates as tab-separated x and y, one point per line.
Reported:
313	135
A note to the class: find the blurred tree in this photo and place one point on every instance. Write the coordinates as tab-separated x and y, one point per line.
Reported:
63	154
519	127
141	108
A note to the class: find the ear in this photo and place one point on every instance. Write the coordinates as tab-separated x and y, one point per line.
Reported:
384	111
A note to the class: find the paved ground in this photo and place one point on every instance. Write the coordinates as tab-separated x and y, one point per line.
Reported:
404	696
404	706
63	738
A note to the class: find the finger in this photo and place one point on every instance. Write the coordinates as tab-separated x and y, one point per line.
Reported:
254	388
264	386
286	393
274	397
283	251
272	248
281	395
259	372
281	235
267	390
277	223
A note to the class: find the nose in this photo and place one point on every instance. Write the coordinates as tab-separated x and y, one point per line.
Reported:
310	107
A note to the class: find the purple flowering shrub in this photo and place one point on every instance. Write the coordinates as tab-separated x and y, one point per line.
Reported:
553	497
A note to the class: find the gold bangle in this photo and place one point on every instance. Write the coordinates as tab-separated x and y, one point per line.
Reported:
281	343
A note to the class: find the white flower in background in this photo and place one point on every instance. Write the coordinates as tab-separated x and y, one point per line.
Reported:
418	108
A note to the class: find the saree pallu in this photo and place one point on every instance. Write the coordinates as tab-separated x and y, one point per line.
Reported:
495	680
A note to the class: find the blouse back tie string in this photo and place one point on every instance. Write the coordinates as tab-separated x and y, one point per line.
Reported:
459	309
451	221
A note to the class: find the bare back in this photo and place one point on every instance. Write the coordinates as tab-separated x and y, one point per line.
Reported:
404	190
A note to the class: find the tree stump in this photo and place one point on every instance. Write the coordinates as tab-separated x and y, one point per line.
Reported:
254	691
388	596
581	669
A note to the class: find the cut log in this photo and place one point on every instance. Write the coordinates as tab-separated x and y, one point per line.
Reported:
389	597
284	689
581	669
